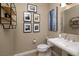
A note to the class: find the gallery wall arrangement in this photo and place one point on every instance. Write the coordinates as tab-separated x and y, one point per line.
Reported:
31	19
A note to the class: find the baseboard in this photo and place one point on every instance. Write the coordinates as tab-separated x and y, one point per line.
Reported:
26	53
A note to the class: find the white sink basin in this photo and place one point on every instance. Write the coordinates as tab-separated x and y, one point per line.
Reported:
70	47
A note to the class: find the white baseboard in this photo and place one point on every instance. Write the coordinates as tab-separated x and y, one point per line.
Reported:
26	53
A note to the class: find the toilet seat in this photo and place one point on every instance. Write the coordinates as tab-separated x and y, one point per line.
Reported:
42	47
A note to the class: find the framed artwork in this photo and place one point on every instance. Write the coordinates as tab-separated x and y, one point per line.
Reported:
36	27
5	4
74	22
27	16
36	17
32	8
27	27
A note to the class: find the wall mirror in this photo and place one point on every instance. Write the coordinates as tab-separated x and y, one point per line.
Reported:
53	20
70	20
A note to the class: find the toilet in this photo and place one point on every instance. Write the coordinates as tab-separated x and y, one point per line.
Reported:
43	50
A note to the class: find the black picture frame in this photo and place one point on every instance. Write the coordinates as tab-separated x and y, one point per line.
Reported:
32	8
38	30
37	17
29	30
27	16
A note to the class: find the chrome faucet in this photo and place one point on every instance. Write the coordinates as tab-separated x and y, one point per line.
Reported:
65	36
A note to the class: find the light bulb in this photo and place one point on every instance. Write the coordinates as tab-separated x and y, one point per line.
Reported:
63	4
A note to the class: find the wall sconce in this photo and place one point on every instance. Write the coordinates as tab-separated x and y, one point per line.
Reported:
63	4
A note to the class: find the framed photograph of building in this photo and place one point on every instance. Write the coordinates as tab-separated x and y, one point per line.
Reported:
27	16
31	8
36	27
36	17
27	27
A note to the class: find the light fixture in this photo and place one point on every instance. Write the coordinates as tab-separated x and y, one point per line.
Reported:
63	4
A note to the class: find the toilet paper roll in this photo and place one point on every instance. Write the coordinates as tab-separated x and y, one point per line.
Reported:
34	41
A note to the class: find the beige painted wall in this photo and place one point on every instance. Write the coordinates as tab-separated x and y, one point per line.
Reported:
14	41
65	26
24	41
7	41
68	14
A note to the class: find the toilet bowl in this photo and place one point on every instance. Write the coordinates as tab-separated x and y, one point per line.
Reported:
42	49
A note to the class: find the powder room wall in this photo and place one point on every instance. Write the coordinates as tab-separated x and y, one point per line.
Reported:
24	41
